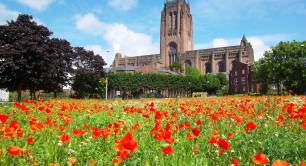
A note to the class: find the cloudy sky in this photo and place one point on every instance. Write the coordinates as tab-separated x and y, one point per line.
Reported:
132	26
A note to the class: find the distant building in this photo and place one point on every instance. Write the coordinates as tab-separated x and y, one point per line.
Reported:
176	46
4	95
241	80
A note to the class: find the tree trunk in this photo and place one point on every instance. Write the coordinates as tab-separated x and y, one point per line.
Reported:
54	94
19	94
278	88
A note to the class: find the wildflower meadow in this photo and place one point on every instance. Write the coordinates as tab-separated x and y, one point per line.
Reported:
153	132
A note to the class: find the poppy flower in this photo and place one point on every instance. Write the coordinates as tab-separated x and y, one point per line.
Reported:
3	118
303	124
126	143
64	138
196	131
234	162
123	154
15	151
167	150
117	161
190	136
223	144
230	135
260	159
30	140
213	141
199	122
195	149
250	127
71	161
280	163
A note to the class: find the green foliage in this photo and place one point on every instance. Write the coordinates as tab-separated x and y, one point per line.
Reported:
135	84
284	65
176	67
86	85
194	72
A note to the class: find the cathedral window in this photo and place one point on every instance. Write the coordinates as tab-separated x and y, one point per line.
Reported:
170	22
208	68
222	67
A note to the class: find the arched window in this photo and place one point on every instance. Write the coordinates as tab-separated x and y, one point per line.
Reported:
221	67
208	68
172	47
188	63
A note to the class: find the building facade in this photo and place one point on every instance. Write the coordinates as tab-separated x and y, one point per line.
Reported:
176	46
241	80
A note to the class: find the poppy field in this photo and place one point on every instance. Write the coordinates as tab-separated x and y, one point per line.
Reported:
152	132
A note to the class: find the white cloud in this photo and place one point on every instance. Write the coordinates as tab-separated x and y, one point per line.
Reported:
6	14
39	5
124	5
260	43
118	36
97	49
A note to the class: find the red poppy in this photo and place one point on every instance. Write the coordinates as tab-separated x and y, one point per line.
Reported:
260	159
196	131
230	135
280	163
168	138
187	125
117	160
167	150
213	141
199	122
123	154
302	163
281	118
126	143
195	149
30	140
15	151
234	162
64	138
80	132
214	118
190	136
223	144
303	124
3	118
250	127
14	125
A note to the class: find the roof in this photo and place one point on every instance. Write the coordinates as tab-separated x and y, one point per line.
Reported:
124	68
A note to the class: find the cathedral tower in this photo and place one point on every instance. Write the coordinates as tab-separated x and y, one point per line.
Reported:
176	35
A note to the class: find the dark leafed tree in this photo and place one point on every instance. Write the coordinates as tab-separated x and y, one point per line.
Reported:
23	54
61	70
88	71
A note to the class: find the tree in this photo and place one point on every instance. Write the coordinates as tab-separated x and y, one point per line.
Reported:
88	71
23	52
176	66
283	66
191	71
60	72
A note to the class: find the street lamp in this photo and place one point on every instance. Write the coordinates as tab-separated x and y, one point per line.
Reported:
303	54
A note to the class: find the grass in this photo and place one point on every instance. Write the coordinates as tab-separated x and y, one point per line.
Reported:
111	120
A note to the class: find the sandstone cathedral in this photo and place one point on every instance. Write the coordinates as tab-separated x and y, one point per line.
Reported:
176	47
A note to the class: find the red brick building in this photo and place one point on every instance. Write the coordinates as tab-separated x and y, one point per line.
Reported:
241	80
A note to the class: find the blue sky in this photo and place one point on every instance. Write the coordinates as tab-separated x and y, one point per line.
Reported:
132	26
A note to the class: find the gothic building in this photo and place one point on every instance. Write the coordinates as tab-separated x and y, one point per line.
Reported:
176	46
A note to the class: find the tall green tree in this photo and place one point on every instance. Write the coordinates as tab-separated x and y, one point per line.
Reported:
283	66
88	73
